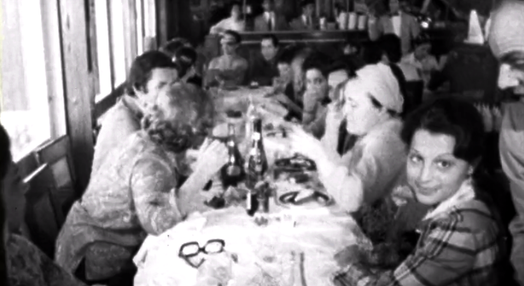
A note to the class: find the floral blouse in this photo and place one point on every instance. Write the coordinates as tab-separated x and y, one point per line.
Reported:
28	265
131	196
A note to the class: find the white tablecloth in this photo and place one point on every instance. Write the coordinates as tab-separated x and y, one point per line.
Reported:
262	252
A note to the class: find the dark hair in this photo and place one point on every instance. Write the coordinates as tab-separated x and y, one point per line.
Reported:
391	46
371	53
143	65
182	64
173	45
5	152
317	61
451	116
402	84
288	54
304	3
422	39
348	63
236	35
273	39
353	43
193	119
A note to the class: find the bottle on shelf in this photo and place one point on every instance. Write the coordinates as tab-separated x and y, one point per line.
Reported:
233	172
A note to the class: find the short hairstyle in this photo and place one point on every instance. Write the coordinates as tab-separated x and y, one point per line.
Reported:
288	54
5	152
142	67
318	61
304	3
353	43
173	45
450	116
273	39
234	34
422	39
391	46
371	53
349	63
193	119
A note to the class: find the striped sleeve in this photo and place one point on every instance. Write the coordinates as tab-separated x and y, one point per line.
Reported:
445	253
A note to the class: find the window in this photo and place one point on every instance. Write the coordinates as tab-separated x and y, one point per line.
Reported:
32	101
112	27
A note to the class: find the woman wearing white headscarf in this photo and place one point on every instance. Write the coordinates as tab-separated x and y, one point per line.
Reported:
369	171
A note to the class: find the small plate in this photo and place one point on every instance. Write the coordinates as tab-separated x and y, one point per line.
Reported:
311	198
296	164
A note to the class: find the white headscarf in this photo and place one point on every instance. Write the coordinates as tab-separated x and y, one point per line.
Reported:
383	85
507	26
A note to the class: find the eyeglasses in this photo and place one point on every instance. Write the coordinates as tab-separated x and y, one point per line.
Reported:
192	249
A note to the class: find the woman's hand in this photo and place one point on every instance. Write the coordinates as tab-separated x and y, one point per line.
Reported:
334	116
347	256
211	158
304	143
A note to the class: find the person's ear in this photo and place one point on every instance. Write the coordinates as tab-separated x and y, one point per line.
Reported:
473	166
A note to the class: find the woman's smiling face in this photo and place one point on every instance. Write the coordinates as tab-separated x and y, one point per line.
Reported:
433	172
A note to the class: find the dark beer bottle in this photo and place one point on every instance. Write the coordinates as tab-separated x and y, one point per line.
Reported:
233	172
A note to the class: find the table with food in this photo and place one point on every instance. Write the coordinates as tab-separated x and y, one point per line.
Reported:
270	222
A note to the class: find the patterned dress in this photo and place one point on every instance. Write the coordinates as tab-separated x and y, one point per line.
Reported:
131	196
28	265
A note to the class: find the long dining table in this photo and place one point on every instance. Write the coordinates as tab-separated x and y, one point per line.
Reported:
259	249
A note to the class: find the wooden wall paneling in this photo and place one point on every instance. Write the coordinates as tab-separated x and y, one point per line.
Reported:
76	86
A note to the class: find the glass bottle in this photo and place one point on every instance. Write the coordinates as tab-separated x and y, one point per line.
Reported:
257	167
233	172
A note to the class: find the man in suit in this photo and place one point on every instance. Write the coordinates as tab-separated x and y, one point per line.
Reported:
397	22
263	68
306	21
270	20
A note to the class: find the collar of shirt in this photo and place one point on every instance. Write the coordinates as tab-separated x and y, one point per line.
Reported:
465	193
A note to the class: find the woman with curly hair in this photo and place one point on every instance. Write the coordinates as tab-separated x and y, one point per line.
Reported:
139	191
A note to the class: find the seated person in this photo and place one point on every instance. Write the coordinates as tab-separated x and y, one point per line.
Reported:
25	263
421	59
370	170
139	192
307	20
148	74
173	45
185	59
460	239
233	23
339	72
229	69
284	83
270	20
264	66
316	95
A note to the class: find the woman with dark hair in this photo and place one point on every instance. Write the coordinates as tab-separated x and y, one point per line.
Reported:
21	262
460	241
139	191
148	74
316	95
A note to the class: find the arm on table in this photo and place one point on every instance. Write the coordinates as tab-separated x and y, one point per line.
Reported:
446	255
377	162
152	184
